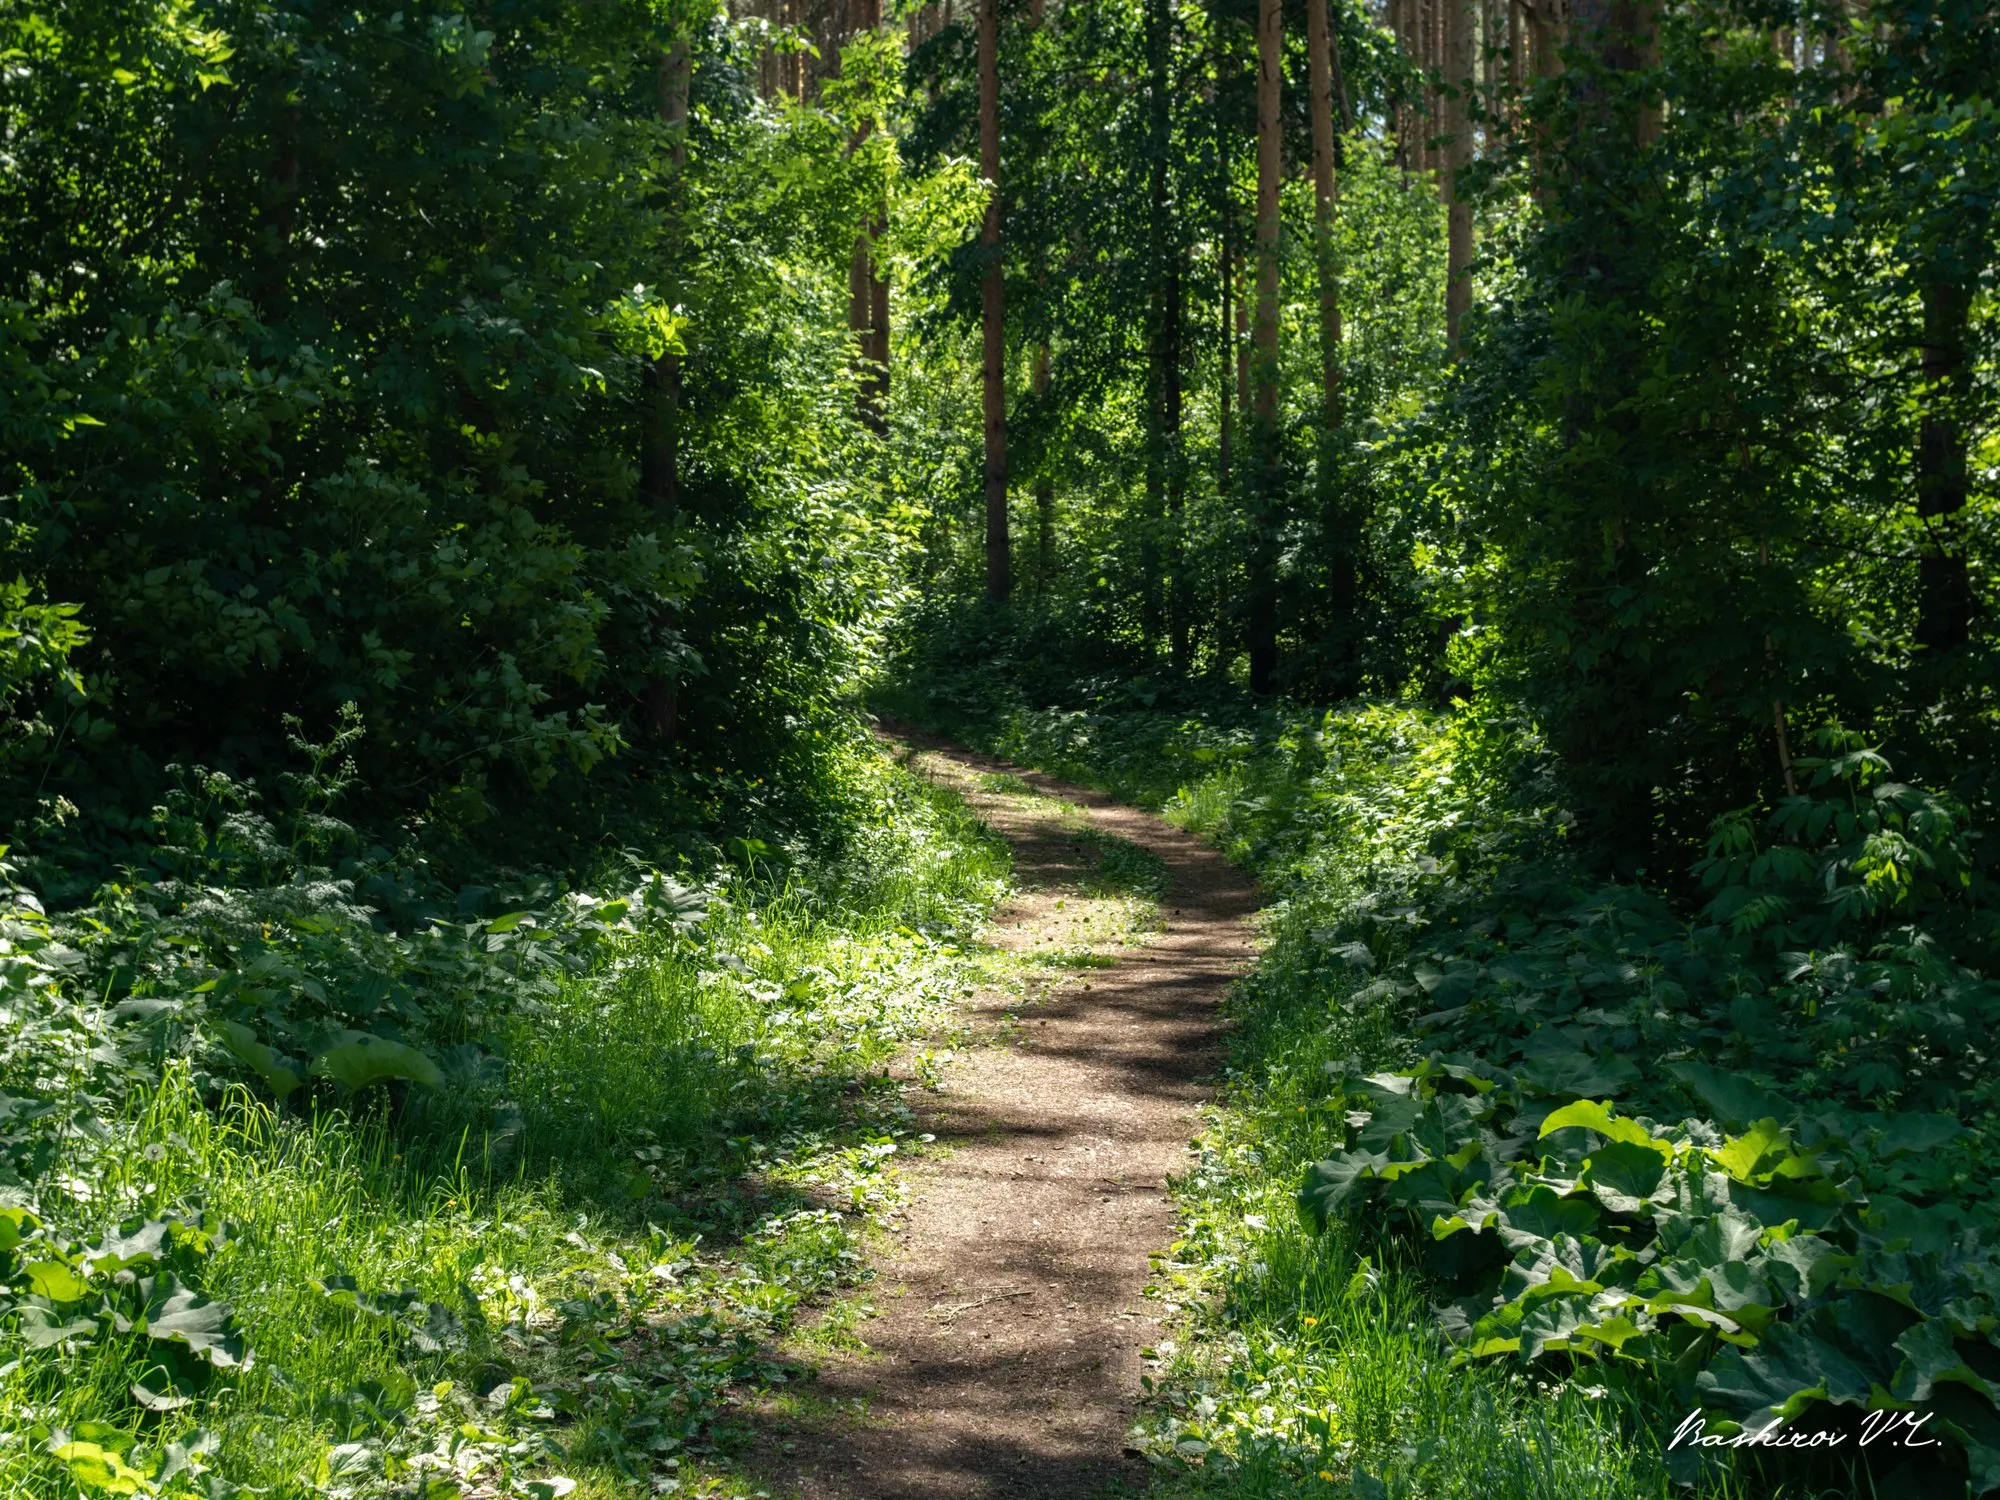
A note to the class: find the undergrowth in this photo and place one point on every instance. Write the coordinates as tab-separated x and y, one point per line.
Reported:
578	1169
1517	1174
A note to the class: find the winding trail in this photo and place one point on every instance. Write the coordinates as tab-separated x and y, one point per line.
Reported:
1005	1361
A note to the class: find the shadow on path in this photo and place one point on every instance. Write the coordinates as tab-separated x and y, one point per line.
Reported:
1006	1358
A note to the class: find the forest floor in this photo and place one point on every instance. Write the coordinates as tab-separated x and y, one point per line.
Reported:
999	1351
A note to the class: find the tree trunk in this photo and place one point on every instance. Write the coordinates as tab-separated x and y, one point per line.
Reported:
1944	590
660	382
1244	297
1156	545
1225	426
1334	512
992	304
1548	32
1045	489
1458	76
1264	374
867	288
1178	633
1517	42
1325	205
1341	97
1436	43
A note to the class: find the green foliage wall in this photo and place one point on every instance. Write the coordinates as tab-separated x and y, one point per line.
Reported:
1726	428
324	329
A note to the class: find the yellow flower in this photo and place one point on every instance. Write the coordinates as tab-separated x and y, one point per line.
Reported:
1327	1475
1312	1322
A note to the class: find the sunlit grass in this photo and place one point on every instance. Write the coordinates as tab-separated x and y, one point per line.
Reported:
693	1139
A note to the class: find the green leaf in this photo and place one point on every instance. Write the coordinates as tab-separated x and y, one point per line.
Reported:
177	1315
1616	1332
15	1225
1540	1213
1329	1184
1550	1324
1578	1073
1931	1357
359	1060
1805	1265
1754	1153
1911	1134
1733	1100
1792	1366
347	1461
1592	1115
42	1327
101	1471
135	1242
185	1456
275	1069
56	1280
1624	1176
160	1390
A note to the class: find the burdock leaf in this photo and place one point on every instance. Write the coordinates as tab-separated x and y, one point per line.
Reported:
206	1328
360	1059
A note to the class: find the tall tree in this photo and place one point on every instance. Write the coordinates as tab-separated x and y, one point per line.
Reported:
1163	405
660	381
1459	61
1326	82
1045	477
1944	588
1326	188
993	311
1264	370
1045	484
868	288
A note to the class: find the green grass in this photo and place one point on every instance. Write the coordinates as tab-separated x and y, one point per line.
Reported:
1302	1364
570	1283
1123	868
1306	1366
1005	784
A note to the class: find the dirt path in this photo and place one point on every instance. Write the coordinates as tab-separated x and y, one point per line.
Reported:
1005	1360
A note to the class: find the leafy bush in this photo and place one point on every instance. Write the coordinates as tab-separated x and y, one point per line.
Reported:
1782	1209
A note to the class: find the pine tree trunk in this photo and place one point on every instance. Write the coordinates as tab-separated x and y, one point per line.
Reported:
1178	631
1225	434
1045	489
992	304
1517	43
1245	296
1155	544
1334	511
1458	76
1326	188
1944	589
1264	373
660	382
867	288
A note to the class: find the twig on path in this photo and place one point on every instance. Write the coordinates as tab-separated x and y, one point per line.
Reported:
945	1314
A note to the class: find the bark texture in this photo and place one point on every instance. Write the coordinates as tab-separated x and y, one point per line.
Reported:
993	312
1263	582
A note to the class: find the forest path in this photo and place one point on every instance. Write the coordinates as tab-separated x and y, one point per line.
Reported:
1005	1358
